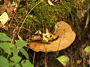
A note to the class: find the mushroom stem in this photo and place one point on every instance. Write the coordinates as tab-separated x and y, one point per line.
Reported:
45	59
34	57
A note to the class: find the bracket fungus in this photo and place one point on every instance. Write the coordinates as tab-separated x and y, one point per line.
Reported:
65	37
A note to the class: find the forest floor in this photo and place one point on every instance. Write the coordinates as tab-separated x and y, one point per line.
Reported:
75	52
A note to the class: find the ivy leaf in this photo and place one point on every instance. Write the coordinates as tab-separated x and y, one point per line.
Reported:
15	58
3	62
22	50
4	37
6	47
21	43
26	63
87	49
63	59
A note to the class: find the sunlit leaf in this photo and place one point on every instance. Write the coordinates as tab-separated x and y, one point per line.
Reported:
4	18
11	64
3	62
23	51
17	65
16	58
4	37
26	63
21	43
63	59
87	49
6	47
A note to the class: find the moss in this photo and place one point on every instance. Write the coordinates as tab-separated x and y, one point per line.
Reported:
43	15
22	12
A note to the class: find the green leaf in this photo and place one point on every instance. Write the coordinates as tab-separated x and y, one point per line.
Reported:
12	64
16	58
4	37
21	43
17	65
87	49
22	50
6	47
26	63
14	50
63	59
3	62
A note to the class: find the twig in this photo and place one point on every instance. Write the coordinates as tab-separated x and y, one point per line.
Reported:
27	16
34	57
45	59
25	20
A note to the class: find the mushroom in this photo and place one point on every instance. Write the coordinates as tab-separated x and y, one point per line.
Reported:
66	37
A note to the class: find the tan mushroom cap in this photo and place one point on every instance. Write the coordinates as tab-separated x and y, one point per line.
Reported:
66	37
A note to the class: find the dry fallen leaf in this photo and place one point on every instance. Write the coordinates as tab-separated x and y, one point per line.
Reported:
38	32
35	37
4	18
20	38
50	3
3	26
9	8
66	37
15	5
47	37
43	37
